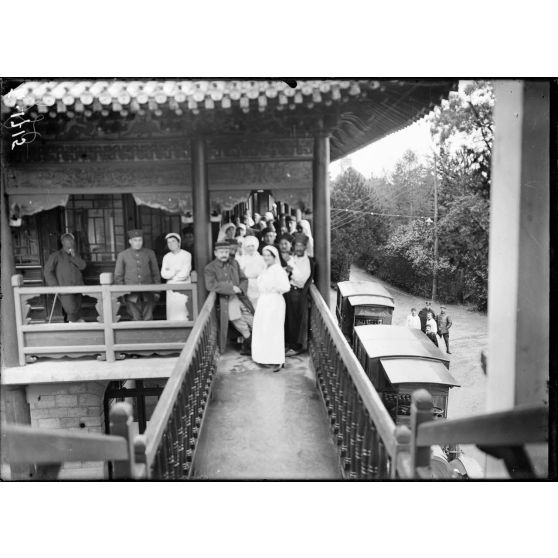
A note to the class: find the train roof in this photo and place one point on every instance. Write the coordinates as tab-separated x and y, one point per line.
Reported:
371	300
359	288
397	341
417	371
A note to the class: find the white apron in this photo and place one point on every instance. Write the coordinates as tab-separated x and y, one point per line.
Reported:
268	333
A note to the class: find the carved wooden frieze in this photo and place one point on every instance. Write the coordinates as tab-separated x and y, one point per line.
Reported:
98	177
282	174
248	148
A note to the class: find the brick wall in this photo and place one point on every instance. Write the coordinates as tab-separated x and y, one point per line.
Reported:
70	406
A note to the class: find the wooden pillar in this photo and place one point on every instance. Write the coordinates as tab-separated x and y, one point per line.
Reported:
202	226
518	295
322	220
9	335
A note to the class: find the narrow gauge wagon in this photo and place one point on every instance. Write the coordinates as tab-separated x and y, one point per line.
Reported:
399	360
362	303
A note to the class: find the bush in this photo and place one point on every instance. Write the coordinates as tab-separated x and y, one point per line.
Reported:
341	261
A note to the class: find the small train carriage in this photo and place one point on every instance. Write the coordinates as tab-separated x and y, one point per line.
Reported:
398	361
362	303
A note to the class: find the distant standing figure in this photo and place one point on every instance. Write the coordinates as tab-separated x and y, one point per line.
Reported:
413	321
422	315
138	266
444	323
431	335
430	321
176	268
63	269
268	343
188	243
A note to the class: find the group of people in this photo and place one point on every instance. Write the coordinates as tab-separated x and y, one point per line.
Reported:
262	271
431	324
263	287
136	265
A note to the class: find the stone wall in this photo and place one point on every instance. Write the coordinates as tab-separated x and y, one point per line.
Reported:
70	406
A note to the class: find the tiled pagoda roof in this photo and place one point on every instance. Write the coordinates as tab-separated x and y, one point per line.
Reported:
368	109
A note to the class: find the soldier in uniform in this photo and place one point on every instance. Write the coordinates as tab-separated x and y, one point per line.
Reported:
138	266
63	269
225	277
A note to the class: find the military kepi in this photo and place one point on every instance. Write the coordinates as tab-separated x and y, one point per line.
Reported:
134	233
222	244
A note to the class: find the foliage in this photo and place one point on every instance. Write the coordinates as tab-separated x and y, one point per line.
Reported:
355	233
462	131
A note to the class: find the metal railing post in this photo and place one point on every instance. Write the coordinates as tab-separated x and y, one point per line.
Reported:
121	418
421	412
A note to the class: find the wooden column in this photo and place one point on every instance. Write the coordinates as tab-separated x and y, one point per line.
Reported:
9	335
202	226
518	295
322	219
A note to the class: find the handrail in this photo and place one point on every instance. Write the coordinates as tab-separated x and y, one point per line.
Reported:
48	449
517	426
370	398
367	439
108	339
502	434
183	400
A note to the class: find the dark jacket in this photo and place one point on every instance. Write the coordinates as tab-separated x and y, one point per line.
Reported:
444	323
137	267
221	278
64	270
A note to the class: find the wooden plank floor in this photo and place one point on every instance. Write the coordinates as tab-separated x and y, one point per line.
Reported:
264	425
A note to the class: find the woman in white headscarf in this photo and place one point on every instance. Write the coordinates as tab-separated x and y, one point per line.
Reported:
304	227
268	333
176	268
252	264
240	237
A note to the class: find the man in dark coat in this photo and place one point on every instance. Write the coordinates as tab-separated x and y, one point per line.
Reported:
138	266
63	269
423	315
301	270
285	248
224	277
444	324
268	238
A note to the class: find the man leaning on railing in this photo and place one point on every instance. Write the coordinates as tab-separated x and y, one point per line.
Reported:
138	266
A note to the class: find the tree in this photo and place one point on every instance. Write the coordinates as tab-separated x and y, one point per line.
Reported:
355	233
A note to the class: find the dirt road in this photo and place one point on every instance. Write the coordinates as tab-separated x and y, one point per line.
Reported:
468	337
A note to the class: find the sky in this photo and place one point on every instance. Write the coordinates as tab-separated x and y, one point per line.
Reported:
382	155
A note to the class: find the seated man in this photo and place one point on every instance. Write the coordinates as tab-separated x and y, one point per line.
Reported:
63	269
224	277
300	269
138	266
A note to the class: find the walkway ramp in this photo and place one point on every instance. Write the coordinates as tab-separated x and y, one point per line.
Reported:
265	425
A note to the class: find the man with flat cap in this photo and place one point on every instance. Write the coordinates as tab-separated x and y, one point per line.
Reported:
225	277
138	266
63	269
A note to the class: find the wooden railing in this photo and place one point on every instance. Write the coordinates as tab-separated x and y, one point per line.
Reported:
368	442
108	338
48	449
501	434
168	446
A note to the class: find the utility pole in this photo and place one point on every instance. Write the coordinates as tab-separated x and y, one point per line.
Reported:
435	269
